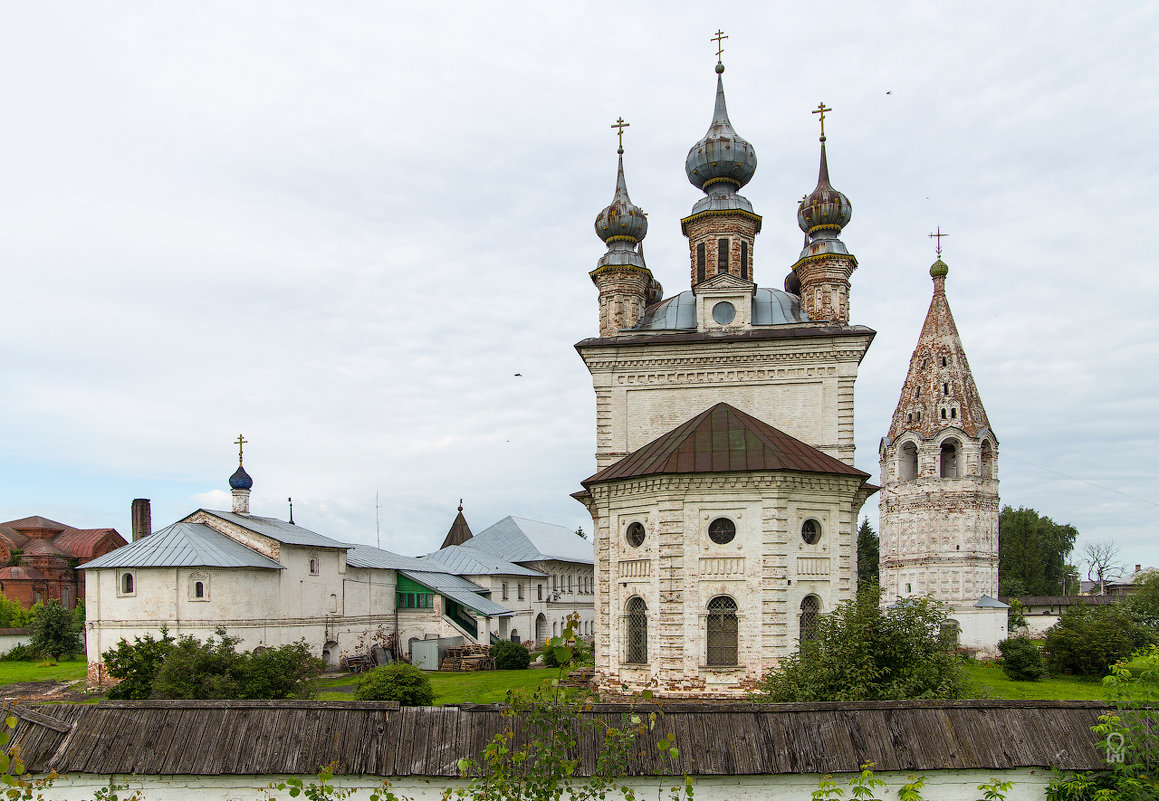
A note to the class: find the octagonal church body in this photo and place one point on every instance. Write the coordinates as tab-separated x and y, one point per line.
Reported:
725	504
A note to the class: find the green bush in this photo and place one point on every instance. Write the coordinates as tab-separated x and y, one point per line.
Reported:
136	665
55	631
397	681
510	655
1021	660
12	614
564	652
1087	640
862	652
189	668
20	653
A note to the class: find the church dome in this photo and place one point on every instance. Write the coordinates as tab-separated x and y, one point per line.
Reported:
939	269
824	209
622	217
722	156
678	313
622	224
241	480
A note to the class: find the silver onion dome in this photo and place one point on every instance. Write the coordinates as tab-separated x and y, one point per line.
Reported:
722	157
622	224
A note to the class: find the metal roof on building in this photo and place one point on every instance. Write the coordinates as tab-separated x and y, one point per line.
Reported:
723	439
678	313
371	557
279	530
459	590
518	539
183	545
474	562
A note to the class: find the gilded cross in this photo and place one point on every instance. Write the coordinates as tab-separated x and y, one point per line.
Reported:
821	109
621	125
240	442
719	39
939	236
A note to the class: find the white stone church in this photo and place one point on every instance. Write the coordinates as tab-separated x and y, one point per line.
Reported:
725	502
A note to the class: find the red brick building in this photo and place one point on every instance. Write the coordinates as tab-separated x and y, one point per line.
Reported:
46	554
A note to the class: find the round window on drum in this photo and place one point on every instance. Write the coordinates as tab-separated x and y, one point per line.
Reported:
636	534
811	532
721	531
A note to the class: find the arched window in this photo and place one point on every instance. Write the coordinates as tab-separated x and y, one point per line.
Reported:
199	589
948	459
313	566
514	635
333	604
569	582
555	582
908	462
128	586
721	631
637	650
555	628
987	459
700	263
810	612
721	256
744	260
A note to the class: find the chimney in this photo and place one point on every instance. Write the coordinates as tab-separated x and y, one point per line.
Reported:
142	519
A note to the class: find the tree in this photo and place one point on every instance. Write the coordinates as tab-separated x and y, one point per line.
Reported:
54	631
510	655
863	652
136	665
868	554
12	614
1143	603
1102	560
397	681
1021	660
1087	639
579	532
1032	553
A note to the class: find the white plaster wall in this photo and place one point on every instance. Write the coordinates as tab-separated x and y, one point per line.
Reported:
767	569
982	629
1030	785
802	386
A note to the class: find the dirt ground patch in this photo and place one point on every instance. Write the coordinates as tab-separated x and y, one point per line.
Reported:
42	691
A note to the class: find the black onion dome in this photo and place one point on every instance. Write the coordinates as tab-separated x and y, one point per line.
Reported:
722	155
241	480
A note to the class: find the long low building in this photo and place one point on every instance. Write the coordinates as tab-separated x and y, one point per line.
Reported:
234	749
270	582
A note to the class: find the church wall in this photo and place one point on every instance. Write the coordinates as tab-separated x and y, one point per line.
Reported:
767	569
803	386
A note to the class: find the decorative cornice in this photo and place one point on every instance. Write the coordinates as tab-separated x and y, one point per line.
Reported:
722	212
629	268
622	238
822	257
722	180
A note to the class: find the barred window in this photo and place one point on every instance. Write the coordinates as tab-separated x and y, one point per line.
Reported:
722	631
721	530
721	256
810	613
811	532
744	260
636	534
700	262
637	651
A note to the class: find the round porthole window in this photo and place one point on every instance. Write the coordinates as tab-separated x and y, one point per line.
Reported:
811	532
724	312
636	534
721	530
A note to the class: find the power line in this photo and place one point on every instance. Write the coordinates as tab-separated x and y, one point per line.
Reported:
1083	480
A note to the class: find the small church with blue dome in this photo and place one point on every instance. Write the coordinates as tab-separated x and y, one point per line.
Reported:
725	501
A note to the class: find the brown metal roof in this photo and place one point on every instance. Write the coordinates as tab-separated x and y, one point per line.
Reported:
459	532
723	439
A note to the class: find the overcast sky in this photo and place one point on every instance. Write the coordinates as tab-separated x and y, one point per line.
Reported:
343	228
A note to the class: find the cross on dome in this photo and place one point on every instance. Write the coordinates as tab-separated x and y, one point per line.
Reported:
939	236
719	39
621	125
240	442
821	109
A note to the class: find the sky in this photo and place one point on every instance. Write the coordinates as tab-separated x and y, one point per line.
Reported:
359	233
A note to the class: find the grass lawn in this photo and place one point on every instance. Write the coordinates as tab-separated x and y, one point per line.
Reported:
994	684
12	672
482	687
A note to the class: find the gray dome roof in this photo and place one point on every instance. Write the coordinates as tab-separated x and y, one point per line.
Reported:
722	155
678	313
824	208
622	224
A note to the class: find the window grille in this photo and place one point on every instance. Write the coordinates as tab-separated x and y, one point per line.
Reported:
721	530
637	651
636	534
721	256
700	262
810	614
722	631
744	260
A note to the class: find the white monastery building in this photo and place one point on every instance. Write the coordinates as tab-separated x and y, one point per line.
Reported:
725	502
270	582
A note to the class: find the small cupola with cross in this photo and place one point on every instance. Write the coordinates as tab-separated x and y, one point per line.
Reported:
240	482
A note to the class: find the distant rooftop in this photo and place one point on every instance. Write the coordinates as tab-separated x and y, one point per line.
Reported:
474	562
518	539
183	545
279	530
